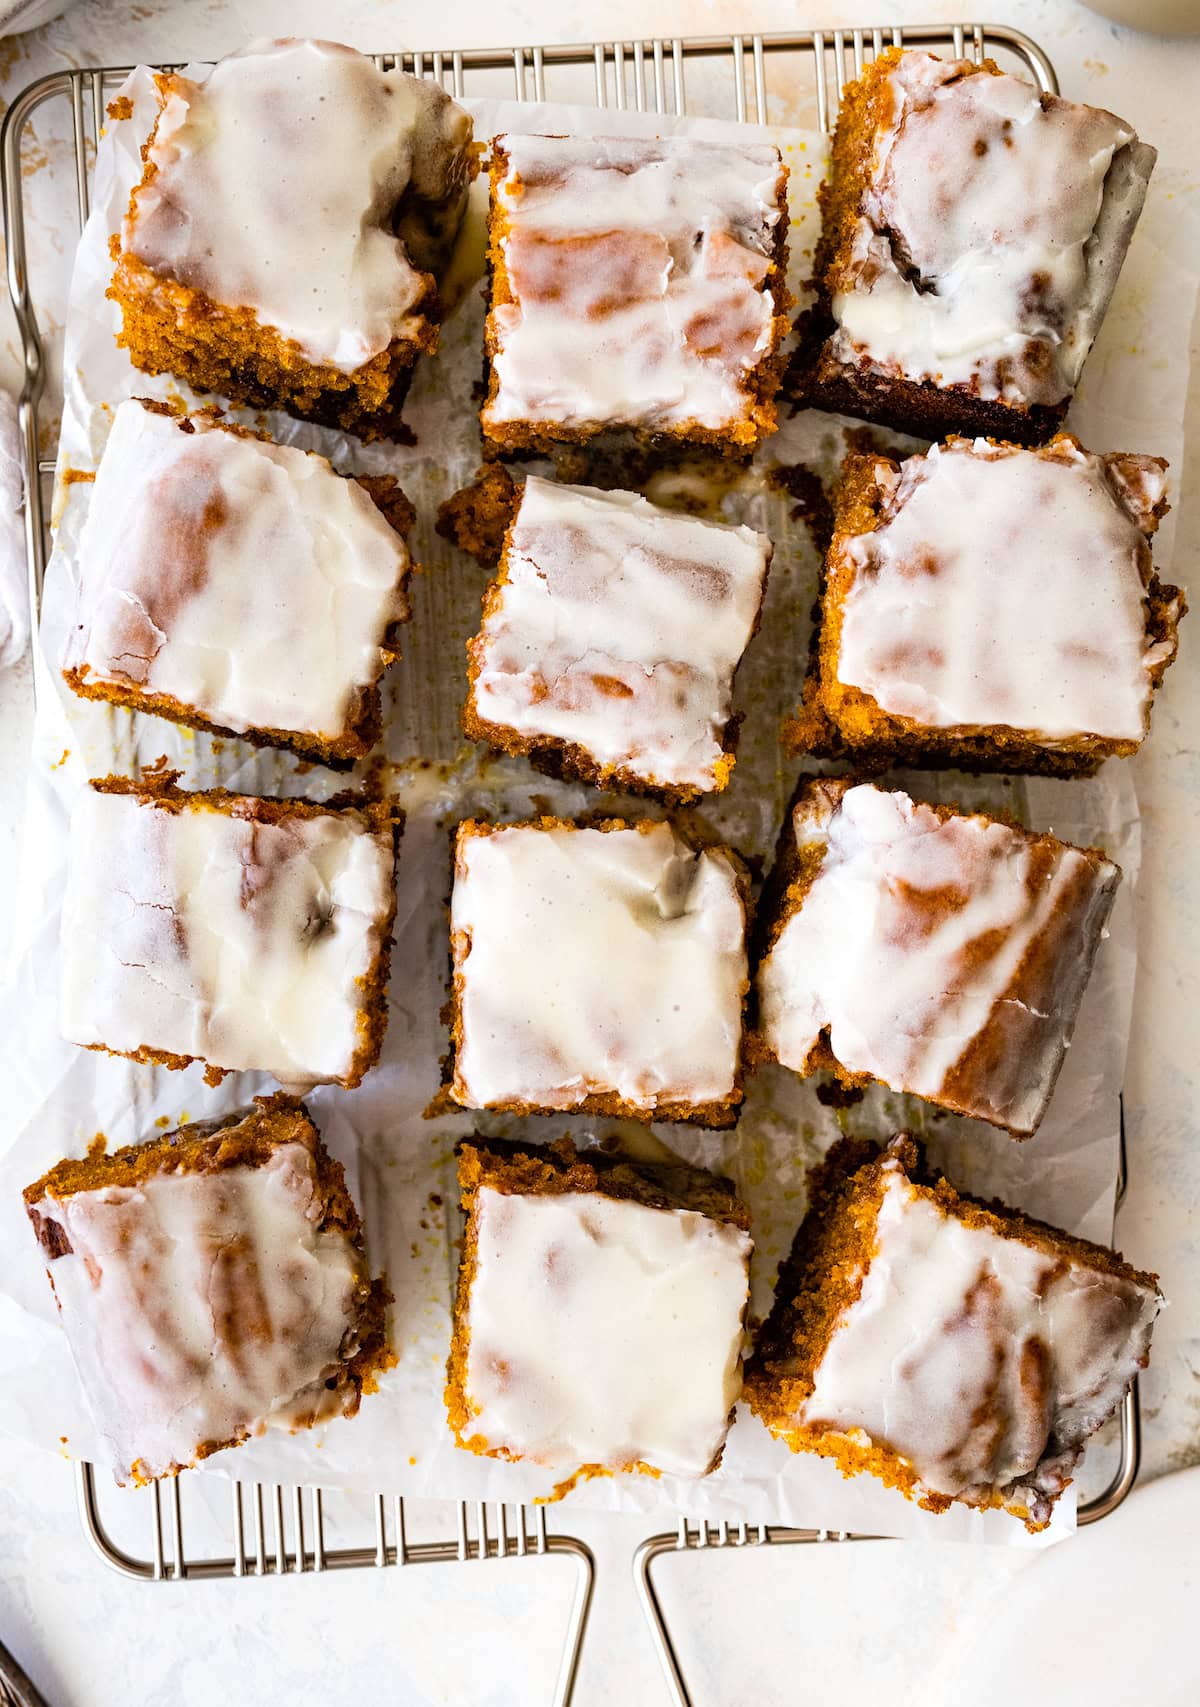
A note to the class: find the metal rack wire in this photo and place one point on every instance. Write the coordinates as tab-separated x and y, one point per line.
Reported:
16	1689
796	76
278	1531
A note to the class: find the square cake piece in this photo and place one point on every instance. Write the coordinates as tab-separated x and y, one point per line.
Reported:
958	1350
941	952
599	1314
211	1283
601	969
236	585
972	234
283	243
610	639
636	285
992	608
248	933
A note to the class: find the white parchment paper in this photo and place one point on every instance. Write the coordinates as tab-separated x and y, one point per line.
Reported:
399	1162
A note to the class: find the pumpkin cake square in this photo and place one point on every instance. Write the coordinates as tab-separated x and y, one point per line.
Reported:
211	1282
599	1313
240	586
283	245
611	637
972	232
992	608
960	1351
636	286
942	953
599	968
244	932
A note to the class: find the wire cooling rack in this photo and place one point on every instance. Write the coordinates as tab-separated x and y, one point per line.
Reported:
796	78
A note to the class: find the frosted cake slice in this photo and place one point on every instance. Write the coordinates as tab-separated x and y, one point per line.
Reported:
211	1283
972	232
943	953
635	285
247	933
993	608
239	586
611	636
599	968
959	1351
599	1313
283	244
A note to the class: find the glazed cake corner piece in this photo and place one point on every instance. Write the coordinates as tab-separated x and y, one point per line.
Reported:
282	246
959	1351
212	1283
599	1315
611	636
240	586
600	968
973	230
942	953
636	286
926	653
245	932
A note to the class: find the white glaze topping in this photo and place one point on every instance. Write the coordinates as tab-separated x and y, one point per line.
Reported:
202	1307
604	1332
980	256
599	962
910	947
637	269
619	629
1006	587
980	1360
246	579
200	932
278	181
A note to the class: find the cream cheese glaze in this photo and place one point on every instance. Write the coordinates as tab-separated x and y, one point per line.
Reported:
604	1332
1008	587
619	628
596	962
282	179
243	578
984	1362
201	1307
945	957
637	272
204	932
990	235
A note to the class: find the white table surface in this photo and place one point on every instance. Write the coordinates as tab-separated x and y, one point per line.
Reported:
883	1623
